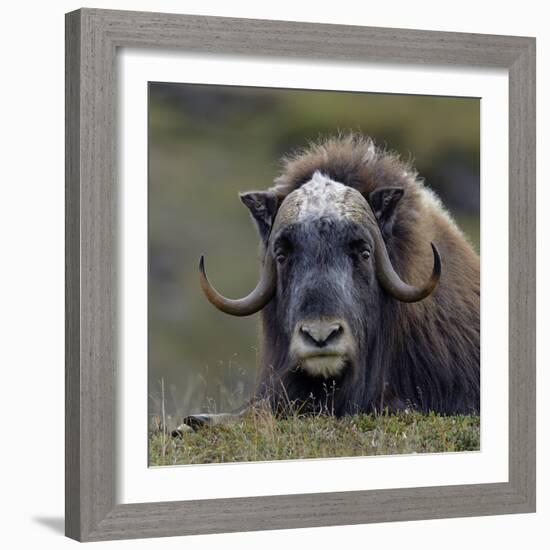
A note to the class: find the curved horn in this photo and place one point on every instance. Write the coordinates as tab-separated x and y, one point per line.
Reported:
256	300
391	282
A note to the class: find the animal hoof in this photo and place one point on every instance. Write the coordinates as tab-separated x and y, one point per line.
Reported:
180	430
197	421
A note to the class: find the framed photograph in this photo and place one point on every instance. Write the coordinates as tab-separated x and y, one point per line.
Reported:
300	275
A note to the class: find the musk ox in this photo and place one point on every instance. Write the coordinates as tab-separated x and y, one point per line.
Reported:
367	287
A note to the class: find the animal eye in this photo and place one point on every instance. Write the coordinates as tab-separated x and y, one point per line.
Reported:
282	248
360	250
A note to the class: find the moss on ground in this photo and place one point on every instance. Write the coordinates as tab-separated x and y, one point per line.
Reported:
260	436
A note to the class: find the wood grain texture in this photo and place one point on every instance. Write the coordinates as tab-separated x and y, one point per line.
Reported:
72	277
522	274
92	38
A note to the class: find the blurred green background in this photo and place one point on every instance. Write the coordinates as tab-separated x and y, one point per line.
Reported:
207	143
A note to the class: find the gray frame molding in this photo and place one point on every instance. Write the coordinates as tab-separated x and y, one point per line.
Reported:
92	38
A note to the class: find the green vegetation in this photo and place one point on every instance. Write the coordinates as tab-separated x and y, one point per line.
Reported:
260	436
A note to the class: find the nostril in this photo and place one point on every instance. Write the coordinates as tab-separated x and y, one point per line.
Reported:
336	329
334	333
321	334
308	335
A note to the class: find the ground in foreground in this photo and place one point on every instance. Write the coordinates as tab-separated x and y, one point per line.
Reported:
260	436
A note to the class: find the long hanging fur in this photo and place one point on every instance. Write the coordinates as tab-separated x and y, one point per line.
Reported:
427	353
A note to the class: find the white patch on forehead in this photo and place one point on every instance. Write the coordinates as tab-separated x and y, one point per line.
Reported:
322	197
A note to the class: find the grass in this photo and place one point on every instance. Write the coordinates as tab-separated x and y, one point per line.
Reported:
260	436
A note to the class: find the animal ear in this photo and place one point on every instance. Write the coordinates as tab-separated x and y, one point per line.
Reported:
383	202
263	207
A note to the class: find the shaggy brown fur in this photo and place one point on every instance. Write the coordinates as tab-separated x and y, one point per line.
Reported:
432	355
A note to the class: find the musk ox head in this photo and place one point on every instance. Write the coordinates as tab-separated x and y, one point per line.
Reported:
325	273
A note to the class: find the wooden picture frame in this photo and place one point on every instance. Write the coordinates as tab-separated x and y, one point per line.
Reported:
92	39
